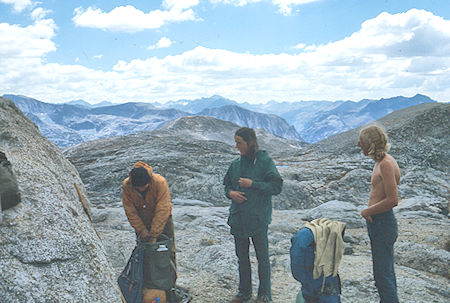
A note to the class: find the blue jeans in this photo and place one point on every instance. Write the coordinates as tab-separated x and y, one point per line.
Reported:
261	244
383	234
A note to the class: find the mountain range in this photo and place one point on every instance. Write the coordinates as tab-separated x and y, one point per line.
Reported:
305	121
313	120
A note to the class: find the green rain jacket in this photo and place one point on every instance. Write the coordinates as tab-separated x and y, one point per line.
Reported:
255	214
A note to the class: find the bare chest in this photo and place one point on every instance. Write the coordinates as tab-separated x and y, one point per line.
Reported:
376	179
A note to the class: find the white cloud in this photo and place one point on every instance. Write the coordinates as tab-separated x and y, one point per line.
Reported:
39	13
19	5
129	19
305	47
162	43
299	46
236	2
179	4
404	36
310	48
36	38
400	54
97	56
284	6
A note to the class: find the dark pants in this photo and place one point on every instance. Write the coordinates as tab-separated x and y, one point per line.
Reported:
383	234
261	244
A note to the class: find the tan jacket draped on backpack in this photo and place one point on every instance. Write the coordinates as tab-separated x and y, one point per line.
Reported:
329	246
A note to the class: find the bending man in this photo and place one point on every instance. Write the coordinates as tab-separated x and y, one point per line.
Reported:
147	204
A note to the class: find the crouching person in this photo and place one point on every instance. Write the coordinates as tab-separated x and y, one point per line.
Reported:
147	204
316	252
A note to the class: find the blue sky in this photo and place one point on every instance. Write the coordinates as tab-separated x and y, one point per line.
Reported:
245	50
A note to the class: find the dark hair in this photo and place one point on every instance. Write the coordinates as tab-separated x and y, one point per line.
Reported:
139	176
249	136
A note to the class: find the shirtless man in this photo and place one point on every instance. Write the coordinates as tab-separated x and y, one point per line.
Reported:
380	219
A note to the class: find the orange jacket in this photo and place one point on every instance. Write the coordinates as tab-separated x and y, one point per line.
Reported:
152	212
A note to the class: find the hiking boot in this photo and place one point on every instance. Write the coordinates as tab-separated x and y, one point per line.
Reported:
263	299
240	298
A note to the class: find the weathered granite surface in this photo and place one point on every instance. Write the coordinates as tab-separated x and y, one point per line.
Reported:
49	250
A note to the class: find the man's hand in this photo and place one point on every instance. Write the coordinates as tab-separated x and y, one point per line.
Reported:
237	196
366	216
245	182
145	236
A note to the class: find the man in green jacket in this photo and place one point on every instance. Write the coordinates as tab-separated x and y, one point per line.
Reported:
250	182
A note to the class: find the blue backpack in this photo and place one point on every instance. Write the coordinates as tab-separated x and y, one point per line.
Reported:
318	290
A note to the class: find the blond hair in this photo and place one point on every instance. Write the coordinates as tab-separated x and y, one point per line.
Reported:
376	140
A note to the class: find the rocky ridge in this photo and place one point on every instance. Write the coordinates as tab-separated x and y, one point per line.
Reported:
193	153
238	115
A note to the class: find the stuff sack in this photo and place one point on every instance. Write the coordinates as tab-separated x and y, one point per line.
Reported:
159	264
152	295
175	295
131	279
302	266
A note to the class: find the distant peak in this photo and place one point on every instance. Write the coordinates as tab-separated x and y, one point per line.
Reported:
417	97
422	97
217	97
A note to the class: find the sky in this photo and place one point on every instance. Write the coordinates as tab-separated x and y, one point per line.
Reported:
246	50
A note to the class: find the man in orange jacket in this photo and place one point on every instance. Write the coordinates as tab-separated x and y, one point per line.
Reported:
147	203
